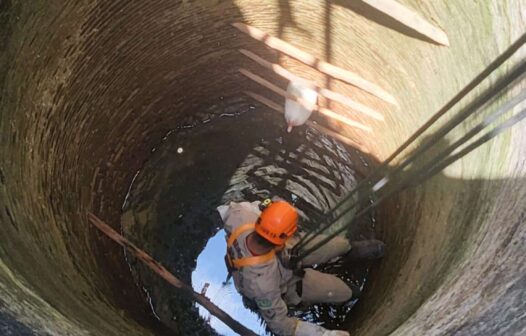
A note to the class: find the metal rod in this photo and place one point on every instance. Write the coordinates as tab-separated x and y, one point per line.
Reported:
431	168
452	102
461	94
464	114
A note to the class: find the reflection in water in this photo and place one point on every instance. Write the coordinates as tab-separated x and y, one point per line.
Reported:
211	269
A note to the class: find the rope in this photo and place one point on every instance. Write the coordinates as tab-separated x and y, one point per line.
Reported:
467	111
423	174
377	172
474	106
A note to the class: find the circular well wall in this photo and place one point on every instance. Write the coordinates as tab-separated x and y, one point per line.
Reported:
89	88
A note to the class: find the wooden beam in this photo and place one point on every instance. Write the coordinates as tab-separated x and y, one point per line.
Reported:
324	67
326	112
169	277
337	97
409	18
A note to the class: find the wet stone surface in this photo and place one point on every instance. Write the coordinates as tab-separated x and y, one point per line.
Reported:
210	160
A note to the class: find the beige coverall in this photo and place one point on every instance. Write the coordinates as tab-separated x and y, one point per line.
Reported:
272	286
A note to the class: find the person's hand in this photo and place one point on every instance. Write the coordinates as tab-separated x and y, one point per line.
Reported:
288	261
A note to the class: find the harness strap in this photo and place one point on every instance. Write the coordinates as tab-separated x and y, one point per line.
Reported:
247	261
235	234
252	261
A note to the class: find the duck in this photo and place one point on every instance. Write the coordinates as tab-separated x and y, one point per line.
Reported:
296	114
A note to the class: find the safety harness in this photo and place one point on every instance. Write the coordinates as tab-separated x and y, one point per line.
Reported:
236	264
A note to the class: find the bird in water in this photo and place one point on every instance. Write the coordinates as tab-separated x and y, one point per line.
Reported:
296	114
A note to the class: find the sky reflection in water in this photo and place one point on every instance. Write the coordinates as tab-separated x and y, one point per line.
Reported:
211	269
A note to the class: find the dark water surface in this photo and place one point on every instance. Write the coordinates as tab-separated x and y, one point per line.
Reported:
239	153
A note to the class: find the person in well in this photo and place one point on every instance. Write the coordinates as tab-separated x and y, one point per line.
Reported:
259	240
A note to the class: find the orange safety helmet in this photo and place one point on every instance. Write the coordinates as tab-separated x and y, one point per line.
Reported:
278	222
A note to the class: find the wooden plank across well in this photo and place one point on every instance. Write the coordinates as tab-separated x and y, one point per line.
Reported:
169	277
316	63
409	18
277	107
335	96
326	112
